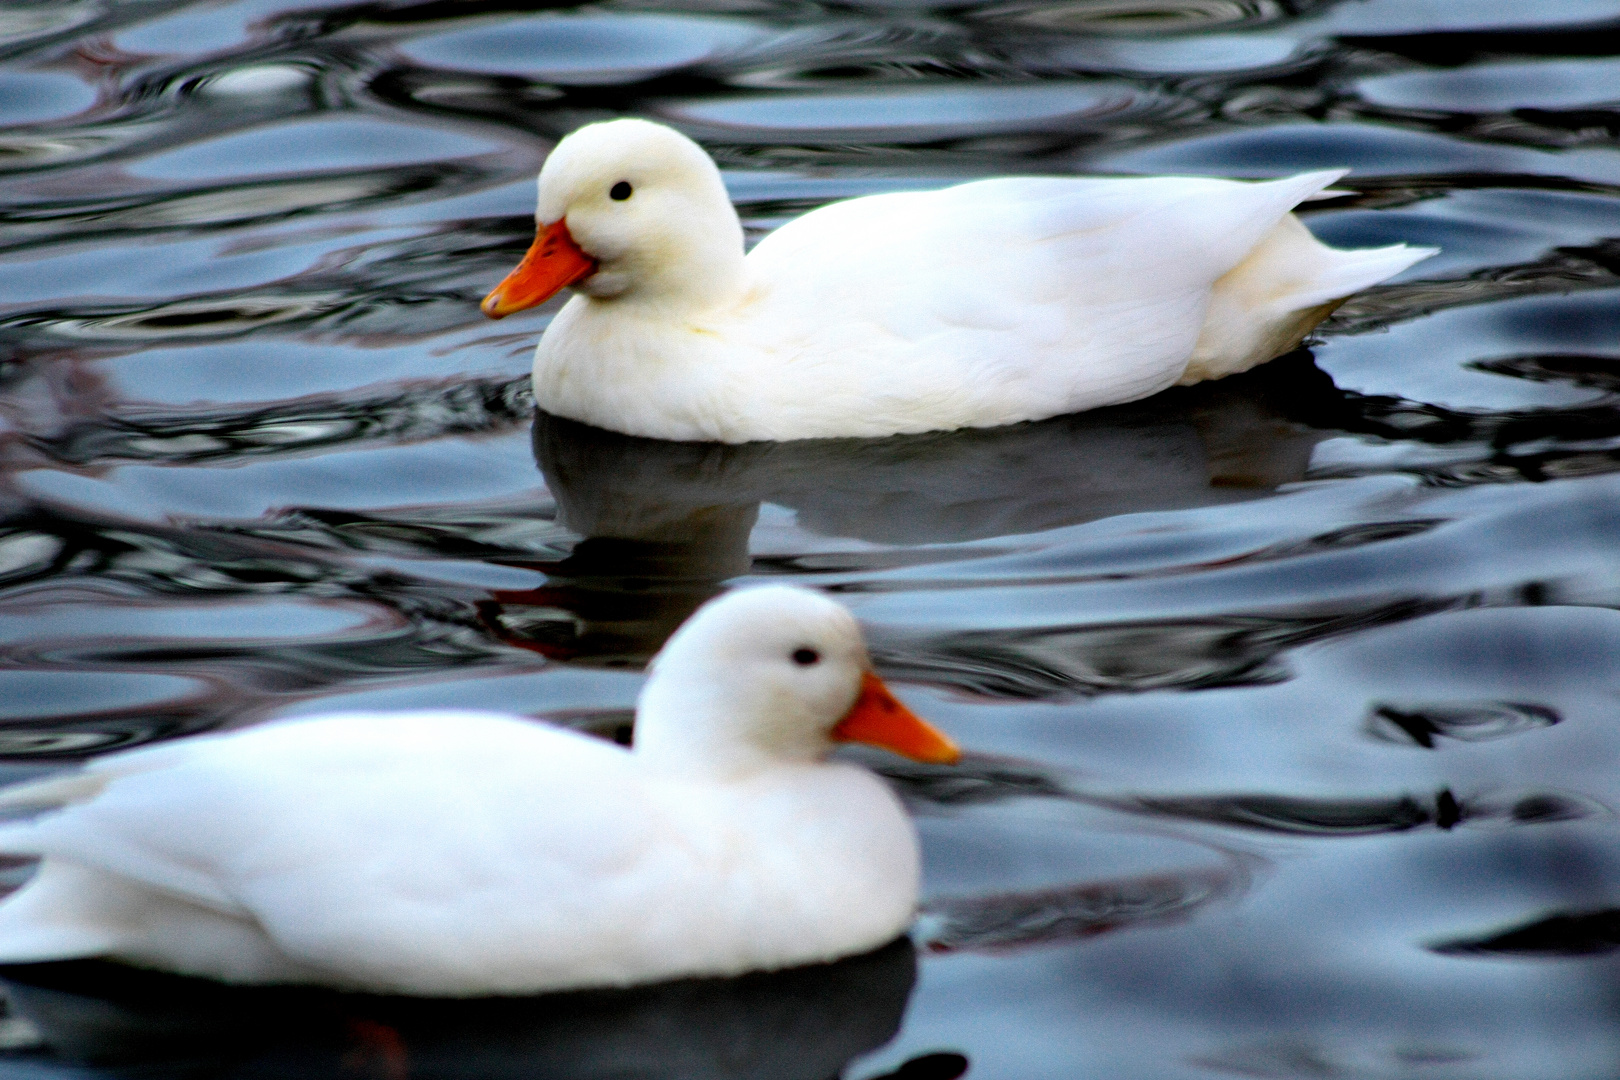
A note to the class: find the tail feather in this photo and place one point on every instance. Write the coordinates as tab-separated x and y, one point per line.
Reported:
73	912
1311	184
1290	282
43	944
55	916
1248	215
52	792
1349	272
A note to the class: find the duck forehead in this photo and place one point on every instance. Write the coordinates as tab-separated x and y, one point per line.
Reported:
597	156
620	142
565	179
767	622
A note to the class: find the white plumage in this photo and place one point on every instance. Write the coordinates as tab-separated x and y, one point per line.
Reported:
983	304
463	853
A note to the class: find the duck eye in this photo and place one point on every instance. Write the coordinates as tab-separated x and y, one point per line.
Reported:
620	191
805	657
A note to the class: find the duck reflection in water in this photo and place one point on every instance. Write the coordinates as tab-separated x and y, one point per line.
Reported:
666	523
803	1023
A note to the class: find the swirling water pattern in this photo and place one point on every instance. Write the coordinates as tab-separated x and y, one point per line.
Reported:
1291	699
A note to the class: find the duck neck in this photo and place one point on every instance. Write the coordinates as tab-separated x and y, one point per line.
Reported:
692	734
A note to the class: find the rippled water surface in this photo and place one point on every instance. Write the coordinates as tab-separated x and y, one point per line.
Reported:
1293	701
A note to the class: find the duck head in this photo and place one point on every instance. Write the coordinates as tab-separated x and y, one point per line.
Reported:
627	209
769	675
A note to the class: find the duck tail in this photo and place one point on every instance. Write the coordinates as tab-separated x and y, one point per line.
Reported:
1309	186
51	793
55	915
1290	281
1341	273
48	917
1300	272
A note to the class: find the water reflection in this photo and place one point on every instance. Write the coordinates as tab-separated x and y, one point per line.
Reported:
1055	916
373	295
1575	934
1422	723
202	435
206	677
665	524
260	454
150	214
941	488
802	1024
1147	16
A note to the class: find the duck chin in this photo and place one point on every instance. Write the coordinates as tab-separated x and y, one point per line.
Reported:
604	284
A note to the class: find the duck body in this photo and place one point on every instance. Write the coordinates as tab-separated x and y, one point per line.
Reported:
983	304
464	853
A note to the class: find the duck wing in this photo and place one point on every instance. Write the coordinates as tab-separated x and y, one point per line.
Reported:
1005	299
412	852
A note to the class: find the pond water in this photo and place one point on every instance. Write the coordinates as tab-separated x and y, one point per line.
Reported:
1292	702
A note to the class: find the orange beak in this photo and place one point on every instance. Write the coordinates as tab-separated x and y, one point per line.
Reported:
553	263
878	719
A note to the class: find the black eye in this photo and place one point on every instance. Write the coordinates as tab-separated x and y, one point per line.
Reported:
620	191
806	657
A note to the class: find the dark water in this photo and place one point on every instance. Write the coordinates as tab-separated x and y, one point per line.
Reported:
1293	701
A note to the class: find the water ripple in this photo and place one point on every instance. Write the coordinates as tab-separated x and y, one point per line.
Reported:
1302	681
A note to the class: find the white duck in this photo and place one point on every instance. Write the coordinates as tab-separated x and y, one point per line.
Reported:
464	853
978	305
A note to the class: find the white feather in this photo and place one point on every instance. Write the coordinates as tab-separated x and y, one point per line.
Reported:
460	853
983	304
